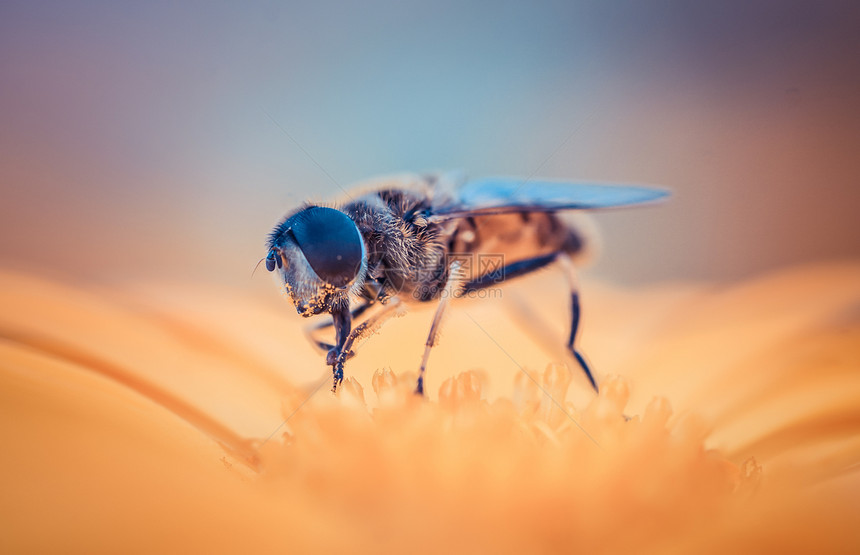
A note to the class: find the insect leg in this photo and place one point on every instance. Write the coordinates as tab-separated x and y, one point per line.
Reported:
575	313
454	279
510	271
523	267
345	338
342	320
311	332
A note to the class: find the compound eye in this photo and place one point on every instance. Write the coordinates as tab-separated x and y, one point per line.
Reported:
330	242
271	260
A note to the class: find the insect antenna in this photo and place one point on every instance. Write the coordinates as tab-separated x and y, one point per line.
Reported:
254	271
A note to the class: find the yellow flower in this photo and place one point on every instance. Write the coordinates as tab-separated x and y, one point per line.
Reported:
160	418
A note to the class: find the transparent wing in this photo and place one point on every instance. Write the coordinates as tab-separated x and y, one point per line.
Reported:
504	195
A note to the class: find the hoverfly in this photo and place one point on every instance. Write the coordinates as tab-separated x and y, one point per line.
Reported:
408	240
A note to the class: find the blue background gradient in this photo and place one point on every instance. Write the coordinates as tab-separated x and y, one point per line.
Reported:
154	139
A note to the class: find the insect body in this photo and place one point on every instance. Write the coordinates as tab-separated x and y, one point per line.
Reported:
427	239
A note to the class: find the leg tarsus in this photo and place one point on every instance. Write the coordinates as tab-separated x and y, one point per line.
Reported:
584	365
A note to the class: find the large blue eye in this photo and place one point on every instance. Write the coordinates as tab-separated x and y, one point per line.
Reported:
271	260
330	242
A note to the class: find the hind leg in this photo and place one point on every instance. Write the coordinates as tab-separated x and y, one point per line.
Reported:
575	314
527	266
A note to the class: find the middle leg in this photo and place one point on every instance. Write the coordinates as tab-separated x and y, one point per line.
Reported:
451	288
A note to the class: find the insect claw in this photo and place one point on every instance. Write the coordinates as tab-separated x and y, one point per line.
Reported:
337	377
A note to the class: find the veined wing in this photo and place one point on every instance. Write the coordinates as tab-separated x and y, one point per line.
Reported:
504	195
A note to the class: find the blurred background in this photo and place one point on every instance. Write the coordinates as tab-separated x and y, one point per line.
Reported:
160	140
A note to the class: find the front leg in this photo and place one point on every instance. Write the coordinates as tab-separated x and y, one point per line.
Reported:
342	320
312	331
346	338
